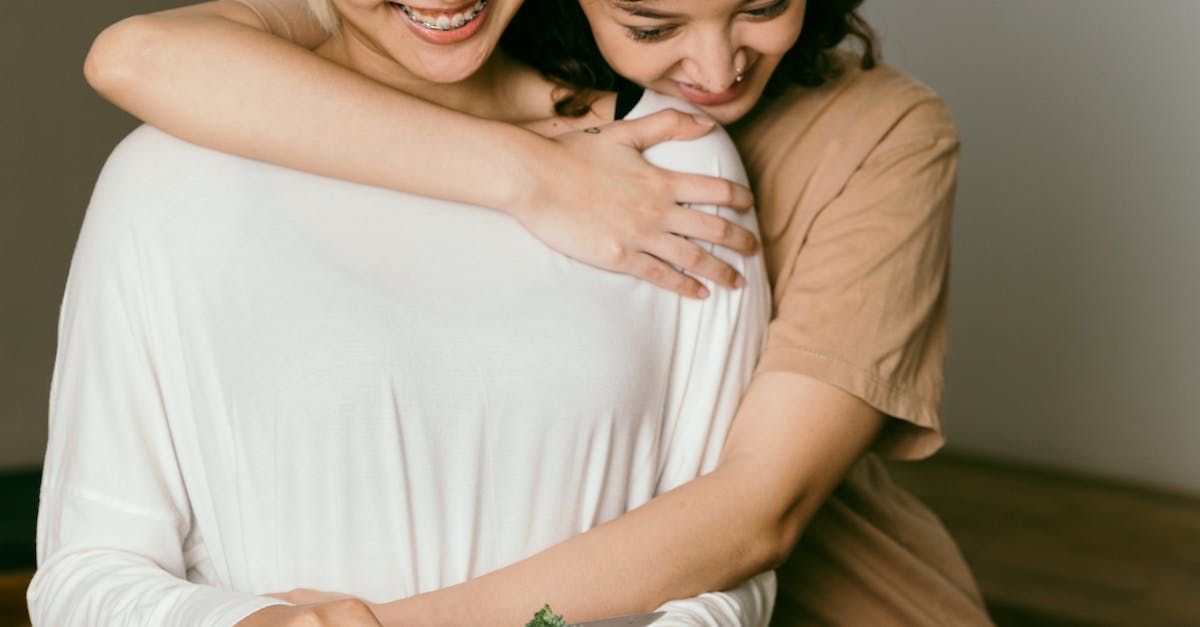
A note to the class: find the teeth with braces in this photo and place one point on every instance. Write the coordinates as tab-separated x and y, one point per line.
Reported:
444	22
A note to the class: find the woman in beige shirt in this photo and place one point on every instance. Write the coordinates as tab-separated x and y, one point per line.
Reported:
853	165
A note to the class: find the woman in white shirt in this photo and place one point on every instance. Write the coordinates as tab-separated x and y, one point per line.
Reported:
268	379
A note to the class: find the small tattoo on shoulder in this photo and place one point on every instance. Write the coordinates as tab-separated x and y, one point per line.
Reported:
592	130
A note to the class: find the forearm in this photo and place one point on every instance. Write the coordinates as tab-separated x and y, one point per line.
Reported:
685	542
792	441
231	77
220	81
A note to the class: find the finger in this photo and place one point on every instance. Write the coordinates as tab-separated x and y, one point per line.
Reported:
689	256
661	126
707	227
699	189
653	270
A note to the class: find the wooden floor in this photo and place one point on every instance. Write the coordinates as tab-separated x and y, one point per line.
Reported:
1055	550
1049	550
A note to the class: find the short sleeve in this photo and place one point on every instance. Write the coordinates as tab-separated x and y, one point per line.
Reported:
864	306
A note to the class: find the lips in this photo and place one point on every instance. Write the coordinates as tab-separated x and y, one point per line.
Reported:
444	26
708	98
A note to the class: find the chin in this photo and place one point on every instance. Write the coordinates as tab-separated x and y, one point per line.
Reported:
729	112
445	76
449	68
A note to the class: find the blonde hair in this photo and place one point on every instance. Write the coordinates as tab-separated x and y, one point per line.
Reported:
326	14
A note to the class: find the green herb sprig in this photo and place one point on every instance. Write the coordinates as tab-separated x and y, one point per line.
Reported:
546	617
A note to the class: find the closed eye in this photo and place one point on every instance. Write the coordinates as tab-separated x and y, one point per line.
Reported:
648	34
769	11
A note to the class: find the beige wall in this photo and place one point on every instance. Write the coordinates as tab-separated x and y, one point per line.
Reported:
1075	304
56	134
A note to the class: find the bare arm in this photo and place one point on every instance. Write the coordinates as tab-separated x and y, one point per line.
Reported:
792	441
216	75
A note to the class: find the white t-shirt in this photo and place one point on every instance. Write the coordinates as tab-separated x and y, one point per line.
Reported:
268	379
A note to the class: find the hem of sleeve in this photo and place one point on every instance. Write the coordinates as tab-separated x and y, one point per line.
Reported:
915	431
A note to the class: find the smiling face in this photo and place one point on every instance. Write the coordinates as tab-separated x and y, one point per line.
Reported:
719	54
439	41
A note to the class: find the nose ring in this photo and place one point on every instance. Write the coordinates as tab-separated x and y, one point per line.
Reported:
738	76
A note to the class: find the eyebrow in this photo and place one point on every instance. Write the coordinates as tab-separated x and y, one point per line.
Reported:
637	8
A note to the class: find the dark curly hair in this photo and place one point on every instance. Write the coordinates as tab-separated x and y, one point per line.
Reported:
567	53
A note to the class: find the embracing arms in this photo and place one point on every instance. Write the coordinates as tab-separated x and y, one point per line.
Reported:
791	442
213	74
802	422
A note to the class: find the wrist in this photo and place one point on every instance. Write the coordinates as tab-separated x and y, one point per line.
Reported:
421	609
524	190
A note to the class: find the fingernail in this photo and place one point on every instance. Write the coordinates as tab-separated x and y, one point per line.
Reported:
703	293
739	282
704	120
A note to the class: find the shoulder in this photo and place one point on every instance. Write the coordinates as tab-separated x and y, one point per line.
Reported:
891	103
883	89
153	177
138	170
855	112
149	165
126	203
713	154
813	140
151	152
882	93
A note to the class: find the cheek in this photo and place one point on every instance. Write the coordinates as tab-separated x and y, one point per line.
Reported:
774	38
773	42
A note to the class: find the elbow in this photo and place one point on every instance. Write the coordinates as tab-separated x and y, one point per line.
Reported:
776	537
777	544
123	56
36	597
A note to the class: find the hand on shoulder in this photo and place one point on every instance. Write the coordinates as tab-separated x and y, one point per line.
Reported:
602	203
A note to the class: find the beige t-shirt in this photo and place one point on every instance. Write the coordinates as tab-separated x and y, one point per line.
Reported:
855	188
